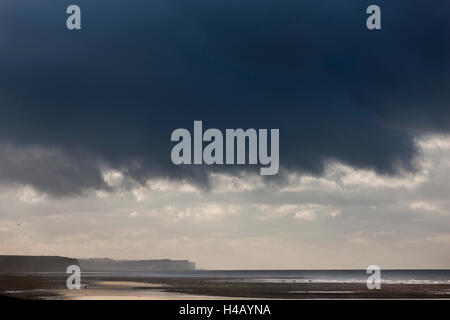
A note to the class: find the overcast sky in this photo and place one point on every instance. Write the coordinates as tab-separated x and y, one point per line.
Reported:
364	119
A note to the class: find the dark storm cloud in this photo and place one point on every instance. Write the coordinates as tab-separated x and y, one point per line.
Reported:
51	170
113	92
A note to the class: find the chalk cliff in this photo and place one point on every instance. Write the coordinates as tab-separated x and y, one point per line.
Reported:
135	265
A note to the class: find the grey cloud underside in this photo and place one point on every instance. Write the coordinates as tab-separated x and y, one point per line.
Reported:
111	94
58	172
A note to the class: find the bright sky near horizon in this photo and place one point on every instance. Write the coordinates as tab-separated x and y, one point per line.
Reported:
347	218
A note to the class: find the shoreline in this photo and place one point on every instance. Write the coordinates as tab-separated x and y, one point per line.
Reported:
133	288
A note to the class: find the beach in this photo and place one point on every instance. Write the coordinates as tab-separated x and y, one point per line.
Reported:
103	287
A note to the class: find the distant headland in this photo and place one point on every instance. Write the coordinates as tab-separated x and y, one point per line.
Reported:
20	264
135	265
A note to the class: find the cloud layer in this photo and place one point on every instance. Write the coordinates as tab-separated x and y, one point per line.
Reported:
348	218
110	95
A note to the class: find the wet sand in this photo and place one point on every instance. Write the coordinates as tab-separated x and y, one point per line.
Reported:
123	288
127	290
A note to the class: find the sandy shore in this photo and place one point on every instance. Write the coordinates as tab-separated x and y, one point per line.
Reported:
127	290
110	288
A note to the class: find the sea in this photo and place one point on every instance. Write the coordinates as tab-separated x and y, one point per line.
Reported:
428	276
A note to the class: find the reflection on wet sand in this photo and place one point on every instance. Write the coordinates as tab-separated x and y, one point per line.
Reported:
129	290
